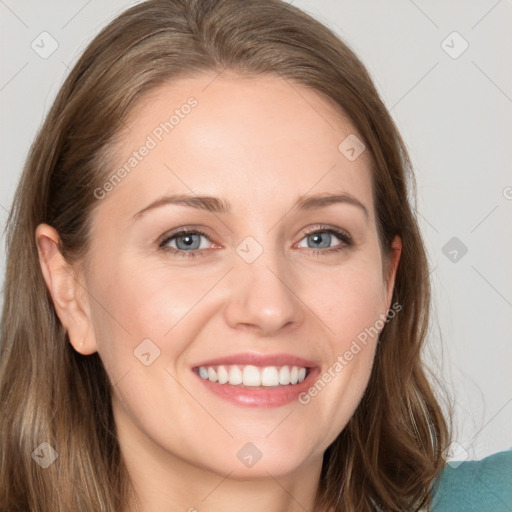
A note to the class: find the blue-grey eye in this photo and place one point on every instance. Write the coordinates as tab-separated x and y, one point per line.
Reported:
323	238
185	241
188	241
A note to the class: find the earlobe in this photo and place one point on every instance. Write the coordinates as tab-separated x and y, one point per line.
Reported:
71	304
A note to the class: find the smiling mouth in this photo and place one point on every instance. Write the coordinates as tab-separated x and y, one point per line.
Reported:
253	376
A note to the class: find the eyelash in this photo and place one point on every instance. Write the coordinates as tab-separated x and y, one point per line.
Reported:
340	234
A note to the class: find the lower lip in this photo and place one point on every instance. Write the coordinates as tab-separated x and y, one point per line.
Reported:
261	396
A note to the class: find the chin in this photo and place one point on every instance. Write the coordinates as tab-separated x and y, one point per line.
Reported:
252	457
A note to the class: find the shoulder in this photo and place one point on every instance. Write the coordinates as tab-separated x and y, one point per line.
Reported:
476	485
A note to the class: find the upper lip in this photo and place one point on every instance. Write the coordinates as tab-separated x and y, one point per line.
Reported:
259	360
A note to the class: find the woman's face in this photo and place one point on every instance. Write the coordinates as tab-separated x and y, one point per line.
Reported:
276	277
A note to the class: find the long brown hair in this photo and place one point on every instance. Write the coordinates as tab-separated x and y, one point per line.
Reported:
390	453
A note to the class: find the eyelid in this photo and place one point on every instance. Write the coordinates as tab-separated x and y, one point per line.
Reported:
328	228
183	230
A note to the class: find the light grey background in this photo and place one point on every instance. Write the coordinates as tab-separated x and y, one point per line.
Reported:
454	110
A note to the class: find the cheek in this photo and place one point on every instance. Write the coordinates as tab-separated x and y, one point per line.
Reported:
130	305
148	299
348	299
140	300
350	303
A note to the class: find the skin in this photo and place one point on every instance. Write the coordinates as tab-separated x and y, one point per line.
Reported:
259	144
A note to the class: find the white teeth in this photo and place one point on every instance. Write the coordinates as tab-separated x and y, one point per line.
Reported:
235	376
223	375
269	376
284	375
212	375
253	376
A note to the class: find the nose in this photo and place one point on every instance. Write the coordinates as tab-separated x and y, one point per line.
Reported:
262	297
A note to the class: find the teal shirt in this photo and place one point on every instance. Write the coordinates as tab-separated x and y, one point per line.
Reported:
476	486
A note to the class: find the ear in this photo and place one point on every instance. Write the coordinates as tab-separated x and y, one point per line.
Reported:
70	297
392	266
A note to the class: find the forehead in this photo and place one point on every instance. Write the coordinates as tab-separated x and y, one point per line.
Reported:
236	137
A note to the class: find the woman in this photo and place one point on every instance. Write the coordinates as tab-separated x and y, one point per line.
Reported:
216	291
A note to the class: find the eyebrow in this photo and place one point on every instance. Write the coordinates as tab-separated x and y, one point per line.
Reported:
216	205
